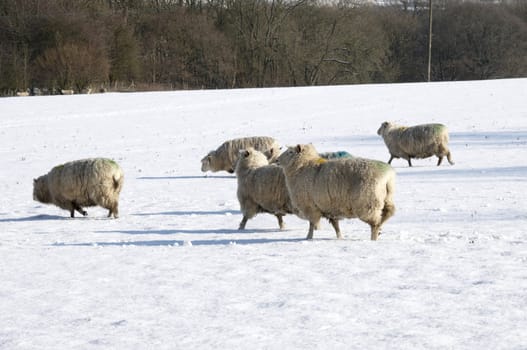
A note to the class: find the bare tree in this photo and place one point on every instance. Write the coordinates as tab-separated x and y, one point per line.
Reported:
72	66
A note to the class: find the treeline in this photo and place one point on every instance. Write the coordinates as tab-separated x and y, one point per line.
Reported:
191	44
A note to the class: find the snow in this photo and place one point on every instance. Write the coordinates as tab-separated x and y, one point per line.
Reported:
449	270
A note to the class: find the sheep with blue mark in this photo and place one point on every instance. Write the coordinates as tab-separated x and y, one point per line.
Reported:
348	188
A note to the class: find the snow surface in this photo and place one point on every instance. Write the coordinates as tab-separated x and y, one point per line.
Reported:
173	272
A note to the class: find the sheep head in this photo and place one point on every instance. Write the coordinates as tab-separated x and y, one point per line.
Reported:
298	154
41	190
206	162
251	158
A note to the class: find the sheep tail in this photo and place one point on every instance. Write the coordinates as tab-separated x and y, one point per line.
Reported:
117	182
389	208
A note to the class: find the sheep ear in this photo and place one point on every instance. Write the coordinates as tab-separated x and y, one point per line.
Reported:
271	152
244	153
299	148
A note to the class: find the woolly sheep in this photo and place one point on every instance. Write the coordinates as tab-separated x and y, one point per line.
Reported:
225	156
335	155
420	141
261	187
81	183
348	188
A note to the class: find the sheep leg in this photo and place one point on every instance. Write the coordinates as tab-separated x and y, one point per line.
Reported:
310	232
439	160
391	158
409	161
113	210
335	224
78	208
375	231
243	223
280	221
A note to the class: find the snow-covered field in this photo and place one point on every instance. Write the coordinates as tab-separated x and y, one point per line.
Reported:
173	272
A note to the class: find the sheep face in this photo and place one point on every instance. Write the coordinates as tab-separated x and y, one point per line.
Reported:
41	190
287	157
295	153
384	126
252	158
206	162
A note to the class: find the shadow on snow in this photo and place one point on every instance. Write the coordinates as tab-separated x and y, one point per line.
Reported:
41	217
191	212
44	217
187	231
488	138
186	177
198	242
519	172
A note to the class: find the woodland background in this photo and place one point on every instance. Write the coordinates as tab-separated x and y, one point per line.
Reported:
135	45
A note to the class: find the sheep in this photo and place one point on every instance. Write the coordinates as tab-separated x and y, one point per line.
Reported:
420	141
261	187
225	156
348	188
86	182
335	155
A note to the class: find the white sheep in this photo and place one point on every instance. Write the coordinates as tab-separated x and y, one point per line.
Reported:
81	183
261	187
348	188
226	155
420	141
